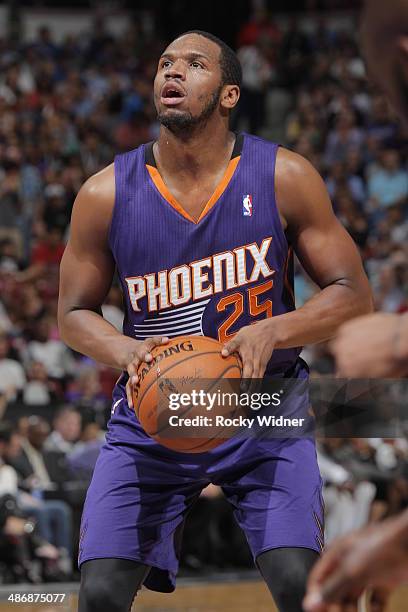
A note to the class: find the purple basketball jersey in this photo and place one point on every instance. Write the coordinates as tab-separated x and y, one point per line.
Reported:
231	268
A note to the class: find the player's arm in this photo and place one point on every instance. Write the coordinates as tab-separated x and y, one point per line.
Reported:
86	273
373	346
329	256
325	250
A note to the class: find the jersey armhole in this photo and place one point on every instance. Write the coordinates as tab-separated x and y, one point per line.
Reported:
282	233
112	237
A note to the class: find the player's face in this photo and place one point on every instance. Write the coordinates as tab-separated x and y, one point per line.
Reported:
187	85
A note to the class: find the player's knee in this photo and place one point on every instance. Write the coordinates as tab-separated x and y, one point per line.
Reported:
286	571
97	594
290	589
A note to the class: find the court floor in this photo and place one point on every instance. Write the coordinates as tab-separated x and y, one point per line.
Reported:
241	596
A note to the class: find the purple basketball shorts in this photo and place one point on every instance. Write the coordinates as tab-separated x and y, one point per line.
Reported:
141	491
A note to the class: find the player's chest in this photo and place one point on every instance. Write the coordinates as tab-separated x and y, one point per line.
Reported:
193	196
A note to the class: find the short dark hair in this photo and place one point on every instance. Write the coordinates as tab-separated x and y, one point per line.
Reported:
230	65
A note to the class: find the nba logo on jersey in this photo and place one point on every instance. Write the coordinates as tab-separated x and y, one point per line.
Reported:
247	205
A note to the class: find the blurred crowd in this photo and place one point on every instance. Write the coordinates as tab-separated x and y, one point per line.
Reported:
66	108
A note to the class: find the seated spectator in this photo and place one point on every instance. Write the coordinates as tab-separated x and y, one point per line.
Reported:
347	501
9	258
345	137
83	458
88	396
338	180
57	209
12	376
39	390
352	218
25	519
26	456
53	354
45	260
387	183
66	431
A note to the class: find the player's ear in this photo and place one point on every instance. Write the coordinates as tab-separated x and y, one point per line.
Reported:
229	96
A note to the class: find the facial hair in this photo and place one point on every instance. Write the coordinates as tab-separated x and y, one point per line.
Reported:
184	123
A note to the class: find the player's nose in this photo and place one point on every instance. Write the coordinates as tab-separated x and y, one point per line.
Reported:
176	71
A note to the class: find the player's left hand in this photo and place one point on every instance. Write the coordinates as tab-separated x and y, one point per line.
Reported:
254	344
369	347
374	556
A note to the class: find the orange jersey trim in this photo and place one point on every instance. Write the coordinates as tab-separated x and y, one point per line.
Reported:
167	195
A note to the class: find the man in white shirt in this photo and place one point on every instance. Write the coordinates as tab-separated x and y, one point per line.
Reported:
12	375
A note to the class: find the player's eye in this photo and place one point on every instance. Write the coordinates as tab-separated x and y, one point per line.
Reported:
166	63
196	65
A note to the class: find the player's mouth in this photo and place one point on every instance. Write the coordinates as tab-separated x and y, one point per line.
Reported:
172	94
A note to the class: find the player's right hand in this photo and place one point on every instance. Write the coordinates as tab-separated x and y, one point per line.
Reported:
140	354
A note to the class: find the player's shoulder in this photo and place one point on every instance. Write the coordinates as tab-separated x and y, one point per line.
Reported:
95	201
292	165
299	187
287	162
294	173
101	184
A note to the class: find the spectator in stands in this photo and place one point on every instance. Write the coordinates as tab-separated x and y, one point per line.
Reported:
12	375
66	431
46	258
39	390
387	183
9	258
88	396
260	24
294	51
83	457
345	137
23	516
256	75
35	466
347	501
53	354
12	221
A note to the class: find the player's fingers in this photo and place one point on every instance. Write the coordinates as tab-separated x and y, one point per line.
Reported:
257	364
258	369
328	563
149	344
313	602
247	369
129	394
132	369
342	586
232	346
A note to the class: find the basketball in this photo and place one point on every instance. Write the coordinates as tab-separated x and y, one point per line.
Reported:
185	364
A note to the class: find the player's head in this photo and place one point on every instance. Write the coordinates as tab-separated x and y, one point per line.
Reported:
198	75
384	34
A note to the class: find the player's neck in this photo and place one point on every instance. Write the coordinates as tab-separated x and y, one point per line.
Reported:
201	152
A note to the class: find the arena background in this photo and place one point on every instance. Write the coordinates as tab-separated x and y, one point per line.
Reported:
76	88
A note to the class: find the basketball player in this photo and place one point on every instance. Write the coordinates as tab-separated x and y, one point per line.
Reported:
201	226
374	346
